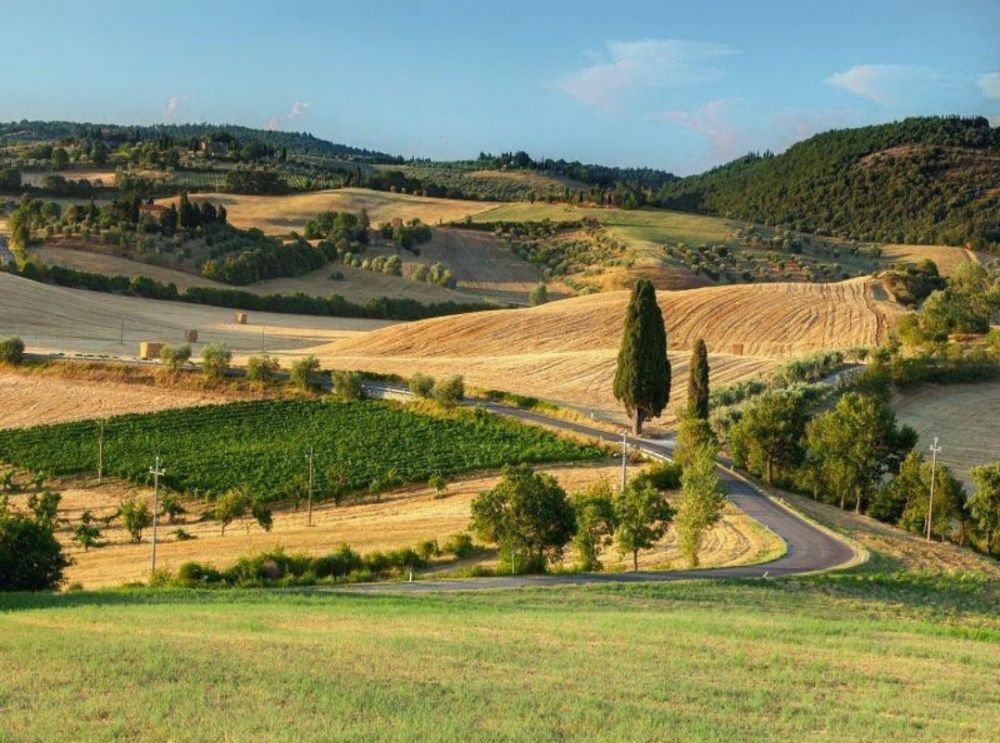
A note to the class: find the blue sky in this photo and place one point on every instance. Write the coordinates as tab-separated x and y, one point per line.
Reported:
679	86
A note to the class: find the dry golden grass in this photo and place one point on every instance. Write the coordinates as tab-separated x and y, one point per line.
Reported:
33	399
60	320
946	257
566	350
358	285
106	177
965	417
899	548
402	519
84	257
281	214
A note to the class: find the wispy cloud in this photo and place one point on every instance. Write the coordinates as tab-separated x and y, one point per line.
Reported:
990	85
887	84
648	63
712	122
298	109
173	106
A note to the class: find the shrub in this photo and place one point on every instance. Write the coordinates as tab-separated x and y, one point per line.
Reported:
11	351
439	484
428	549
539	295
421	385
31	558
450	392
263	369
304	373
215	359
175	356
459	545
136	517
664	475
347	385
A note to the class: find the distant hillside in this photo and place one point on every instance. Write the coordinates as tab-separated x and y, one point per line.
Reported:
921	180
299	143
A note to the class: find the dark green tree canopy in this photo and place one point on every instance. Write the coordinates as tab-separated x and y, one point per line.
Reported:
642	378
698	381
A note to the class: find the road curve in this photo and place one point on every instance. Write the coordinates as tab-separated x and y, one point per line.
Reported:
809	548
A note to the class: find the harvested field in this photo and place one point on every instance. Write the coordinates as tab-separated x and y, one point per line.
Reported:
402	519
29	400
106	177
83	257
746	319
947	258
358	285
281	214
52	319
965	417
485	265
565	351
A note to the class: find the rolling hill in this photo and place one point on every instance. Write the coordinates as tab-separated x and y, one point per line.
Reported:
566	350
921	180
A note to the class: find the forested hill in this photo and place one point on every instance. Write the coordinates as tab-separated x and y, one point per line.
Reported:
921	180
299	143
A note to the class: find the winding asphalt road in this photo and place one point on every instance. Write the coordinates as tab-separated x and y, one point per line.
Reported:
809	548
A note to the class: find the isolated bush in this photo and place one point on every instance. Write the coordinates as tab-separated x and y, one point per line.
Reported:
459	545
439	484
263	369
347	385
136	517
215	359
304	374
31	558
539	295
450	392
11	351
175	356
421	385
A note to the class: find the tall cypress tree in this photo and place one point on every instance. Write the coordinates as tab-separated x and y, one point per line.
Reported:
698	381
642	379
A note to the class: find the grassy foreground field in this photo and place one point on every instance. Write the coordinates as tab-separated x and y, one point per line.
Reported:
862	657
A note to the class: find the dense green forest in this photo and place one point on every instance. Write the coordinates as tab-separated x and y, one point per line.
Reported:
921	180
299	143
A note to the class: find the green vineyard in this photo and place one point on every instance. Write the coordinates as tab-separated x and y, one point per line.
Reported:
264	445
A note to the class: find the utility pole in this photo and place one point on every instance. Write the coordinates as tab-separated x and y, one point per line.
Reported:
310	458
935	449
121	337
156	472
100	451
624	459
262	339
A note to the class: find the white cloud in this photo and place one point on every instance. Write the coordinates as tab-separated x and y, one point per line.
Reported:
990	85
712	122
299	108
174	104
887	84
649	63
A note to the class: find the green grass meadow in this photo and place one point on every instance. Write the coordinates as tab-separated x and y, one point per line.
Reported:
855	657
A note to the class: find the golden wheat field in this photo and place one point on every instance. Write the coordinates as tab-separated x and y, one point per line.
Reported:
53	319
965	418
566	350
31	400
402	519
946	257
282	214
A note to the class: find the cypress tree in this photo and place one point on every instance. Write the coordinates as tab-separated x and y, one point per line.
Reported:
698	381
642	379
